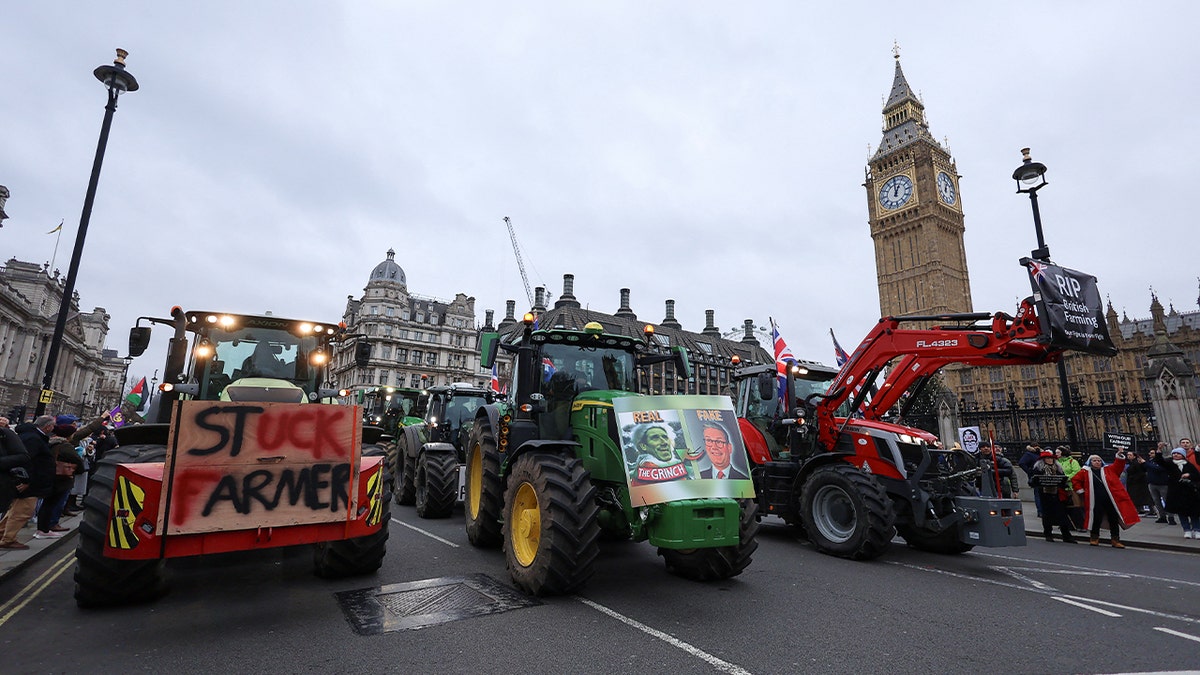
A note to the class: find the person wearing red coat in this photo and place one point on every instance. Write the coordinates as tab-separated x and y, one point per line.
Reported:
1103	495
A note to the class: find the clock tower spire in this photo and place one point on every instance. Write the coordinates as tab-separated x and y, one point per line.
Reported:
915	213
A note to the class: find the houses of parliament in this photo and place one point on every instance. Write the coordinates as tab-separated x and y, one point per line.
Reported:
917	224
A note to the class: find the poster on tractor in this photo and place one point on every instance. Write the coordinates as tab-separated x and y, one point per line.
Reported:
250	465
1070	308
682	447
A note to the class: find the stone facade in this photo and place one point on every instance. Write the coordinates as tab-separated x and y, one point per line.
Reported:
87	377
915	214
411	336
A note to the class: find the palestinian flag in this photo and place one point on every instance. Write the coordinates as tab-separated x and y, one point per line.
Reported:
137	396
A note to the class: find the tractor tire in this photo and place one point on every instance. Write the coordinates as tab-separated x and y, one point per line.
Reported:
359	555
946	542
485	491
102	581
711	564
437	484
551	537
405	468
846	513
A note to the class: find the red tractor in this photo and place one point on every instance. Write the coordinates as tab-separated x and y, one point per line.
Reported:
828	462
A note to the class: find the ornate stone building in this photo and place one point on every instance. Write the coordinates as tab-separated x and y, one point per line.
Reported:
87	377
916	220
710	353
411	336
915	213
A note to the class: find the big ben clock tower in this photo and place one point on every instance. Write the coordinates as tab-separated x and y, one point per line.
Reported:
915	213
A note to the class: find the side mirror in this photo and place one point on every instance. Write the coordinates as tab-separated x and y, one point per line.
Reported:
362	353
683	366
489	343
766	386
139	340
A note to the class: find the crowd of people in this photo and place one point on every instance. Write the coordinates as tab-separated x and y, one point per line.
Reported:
1085	498
45	469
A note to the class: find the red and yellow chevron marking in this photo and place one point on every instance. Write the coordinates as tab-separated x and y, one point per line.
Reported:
127	503
375	498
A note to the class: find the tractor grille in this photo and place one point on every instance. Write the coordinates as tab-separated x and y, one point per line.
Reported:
420	604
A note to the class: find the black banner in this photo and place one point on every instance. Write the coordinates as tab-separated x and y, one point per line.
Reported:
1120	442
1070	309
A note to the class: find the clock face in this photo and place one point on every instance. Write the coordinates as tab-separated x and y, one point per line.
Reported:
946	188
895	192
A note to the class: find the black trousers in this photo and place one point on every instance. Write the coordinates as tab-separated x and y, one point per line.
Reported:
1101	507
1054	514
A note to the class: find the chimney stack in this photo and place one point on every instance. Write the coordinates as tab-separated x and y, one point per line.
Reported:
749	338
669	321
567	299
487	321
625	312
709	328
539	299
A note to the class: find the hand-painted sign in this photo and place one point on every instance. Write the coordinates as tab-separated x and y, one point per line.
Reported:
682	447
1070	308
238	465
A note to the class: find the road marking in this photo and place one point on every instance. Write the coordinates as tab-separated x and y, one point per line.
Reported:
1051	593
1176	633
1021	577
9	609
431	535
715	662
1097	610
1097	570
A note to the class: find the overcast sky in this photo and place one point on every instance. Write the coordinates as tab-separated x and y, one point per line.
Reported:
709	152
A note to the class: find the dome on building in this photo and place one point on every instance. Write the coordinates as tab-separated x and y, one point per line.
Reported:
388	270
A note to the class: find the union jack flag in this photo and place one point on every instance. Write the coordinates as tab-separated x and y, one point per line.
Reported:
495	384
783	357
548	369
1038	271
838	353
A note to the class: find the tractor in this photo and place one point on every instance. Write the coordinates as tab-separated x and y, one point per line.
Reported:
243	450
429	454
546	476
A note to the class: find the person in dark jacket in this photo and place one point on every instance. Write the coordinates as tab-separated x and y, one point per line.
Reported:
14	484
1029	459
1157	480
1050	479
1137	485
1004	469
1183	492
35	436
63	440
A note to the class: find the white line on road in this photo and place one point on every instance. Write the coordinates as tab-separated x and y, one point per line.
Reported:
1021	577
1176	633
715	662
62	565
431	535
1097	610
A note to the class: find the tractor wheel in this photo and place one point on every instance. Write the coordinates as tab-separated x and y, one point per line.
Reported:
709	564
485	491
846	513
407	444
941	542
102	581
360	555
437	484
550	530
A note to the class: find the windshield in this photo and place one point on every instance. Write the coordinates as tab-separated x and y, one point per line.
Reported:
591	368
256	352
403	403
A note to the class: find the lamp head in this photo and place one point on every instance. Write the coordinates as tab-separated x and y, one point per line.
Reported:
1031	175
115	77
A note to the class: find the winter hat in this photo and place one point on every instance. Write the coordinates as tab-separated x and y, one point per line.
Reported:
1046	453
65	430
1179	451
1091	457
65	419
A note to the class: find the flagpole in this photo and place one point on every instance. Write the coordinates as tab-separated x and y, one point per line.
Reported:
56	240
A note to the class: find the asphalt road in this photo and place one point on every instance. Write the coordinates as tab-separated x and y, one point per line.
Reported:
1039	609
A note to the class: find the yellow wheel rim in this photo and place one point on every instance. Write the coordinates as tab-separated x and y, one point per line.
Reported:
525	529
475	482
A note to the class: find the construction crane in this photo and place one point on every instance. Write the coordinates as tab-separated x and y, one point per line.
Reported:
512	234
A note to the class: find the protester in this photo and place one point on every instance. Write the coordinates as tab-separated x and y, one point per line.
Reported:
1137	484
1029	459
79	488
1183	490
14	489
1003	469
1070	467
35	436
1157	480
1104	498
1050	480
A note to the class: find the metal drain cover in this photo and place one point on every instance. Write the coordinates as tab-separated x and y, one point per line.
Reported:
419	604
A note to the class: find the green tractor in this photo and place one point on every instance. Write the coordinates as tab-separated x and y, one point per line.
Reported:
429	453
546	475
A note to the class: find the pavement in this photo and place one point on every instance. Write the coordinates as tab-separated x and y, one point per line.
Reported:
1146	534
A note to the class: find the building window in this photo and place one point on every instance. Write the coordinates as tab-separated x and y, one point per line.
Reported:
965	377
431	359
404	315
420	317
401	354
385	351
387	330
415	380
1032	398
999	400
1103	365
705	347
995	374
390	311
369	376
374	310
1107	391
402	334
383	376
433	319
1029	372
416	356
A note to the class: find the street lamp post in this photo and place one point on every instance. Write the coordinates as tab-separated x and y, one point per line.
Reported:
124	380
1031	177
117	80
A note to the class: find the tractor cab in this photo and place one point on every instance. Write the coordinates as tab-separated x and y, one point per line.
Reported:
761	407
450	411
